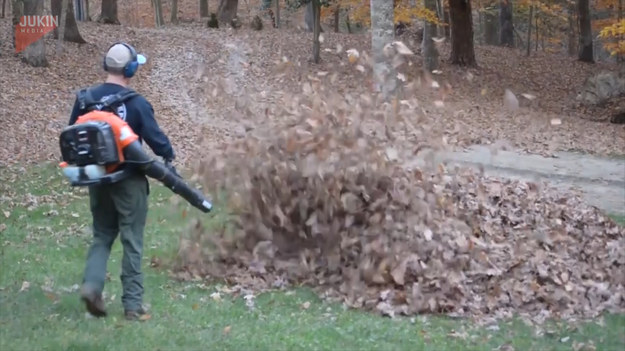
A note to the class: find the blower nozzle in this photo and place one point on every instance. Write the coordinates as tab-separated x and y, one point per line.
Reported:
157	170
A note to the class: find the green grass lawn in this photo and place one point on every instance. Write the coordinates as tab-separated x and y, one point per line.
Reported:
43	252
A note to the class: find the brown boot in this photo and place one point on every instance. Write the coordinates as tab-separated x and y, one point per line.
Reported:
134	315
93	301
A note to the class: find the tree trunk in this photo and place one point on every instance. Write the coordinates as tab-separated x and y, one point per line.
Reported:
337	11
203	8
441	14
309	17
480	24
79	11
447	21
174	12
68	27
316	6
108	15
277	24
585	32
572	43
506	24
537	31
491	27
4	4
348	24
158	13
529	31
87	15
61	13
382	33
17	9
34	54
619	55
462	48
227	10
430	53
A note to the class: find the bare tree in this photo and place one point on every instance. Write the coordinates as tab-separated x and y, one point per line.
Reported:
108	15
82	10
382	34
174	12
585	32
35	53
446	17
61	14
572	43
277	22
227	10
158	12
506	23
309	17
430	53
316	6
619	56
203	8
17	9
462	47
529	30
337	16
491	26
67	21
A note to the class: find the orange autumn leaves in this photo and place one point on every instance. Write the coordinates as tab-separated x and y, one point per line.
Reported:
359	11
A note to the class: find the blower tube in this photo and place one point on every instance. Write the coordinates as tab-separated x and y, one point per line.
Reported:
134	154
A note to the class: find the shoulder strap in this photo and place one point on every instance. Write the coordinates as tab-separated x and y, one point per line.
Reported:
88	103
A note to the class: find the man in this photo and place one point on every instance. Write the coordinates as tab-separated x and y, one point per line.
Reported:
121	208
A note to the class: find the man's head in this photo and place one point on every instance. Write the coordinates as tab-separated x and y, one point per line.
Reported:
122	61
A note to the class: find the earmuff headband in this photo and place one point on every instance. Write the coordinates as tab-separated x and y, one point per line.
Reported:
130	68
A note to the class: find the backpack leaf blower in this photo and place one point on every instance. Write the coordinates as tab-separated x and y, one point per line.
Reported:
101	148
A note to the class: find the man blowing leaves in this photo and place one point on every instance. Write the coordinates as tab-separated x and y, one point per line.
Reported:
121	208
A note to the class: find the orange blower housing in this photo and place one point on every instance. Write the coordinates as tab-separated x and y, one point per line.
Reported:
122	132
97	138
94	148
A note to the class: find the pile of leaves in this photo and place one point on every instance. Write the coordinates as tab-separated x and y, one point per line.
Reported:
327	203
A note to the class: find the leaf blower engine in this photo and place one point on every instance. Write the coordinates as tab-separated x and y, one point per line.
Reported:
95	148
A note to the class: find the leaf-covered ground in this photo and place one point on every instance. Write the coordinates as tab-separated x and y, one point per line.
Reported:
44	238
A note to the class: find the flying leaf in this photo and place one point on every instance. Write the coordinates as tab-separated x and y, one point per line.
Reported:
402	49
556	121
510	101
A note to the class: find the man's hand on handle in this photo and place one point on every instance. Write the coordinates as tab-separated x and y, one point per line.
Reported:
170	166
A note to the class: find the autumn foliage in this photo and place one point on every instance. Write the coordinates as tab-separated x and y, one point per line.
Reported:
614	35
360	11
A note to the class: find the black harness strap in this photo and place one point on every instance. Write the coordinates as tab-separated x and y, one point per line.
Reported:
88	103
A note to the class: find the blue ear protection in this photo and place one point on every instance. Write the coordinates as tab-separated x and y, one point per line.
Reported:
131	67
